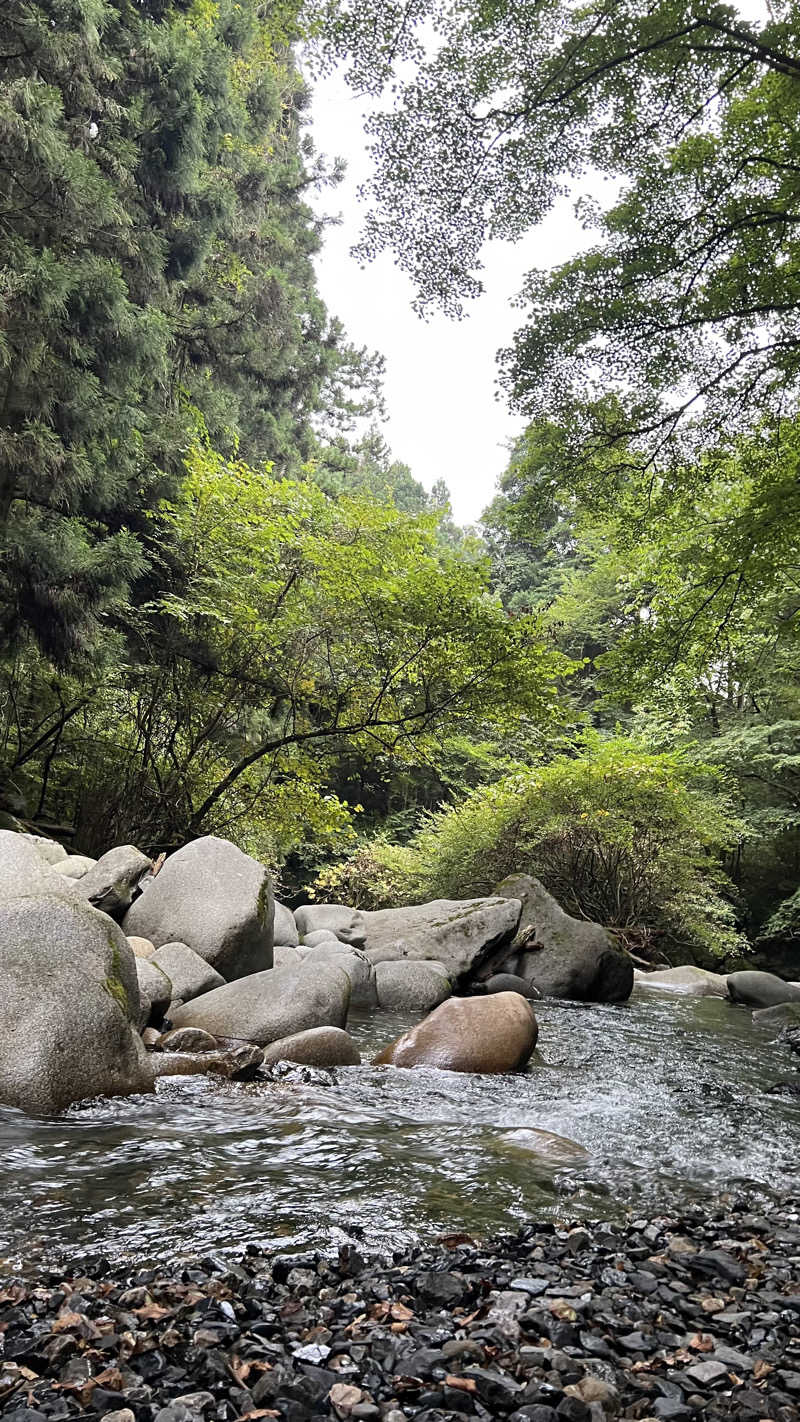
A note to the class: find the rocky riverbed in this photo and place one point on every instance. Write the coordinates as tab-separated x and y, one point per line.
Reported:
667	1101
693	1315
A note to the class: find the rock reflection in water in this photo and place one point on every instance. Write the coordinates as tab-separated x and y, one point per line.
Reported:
666	1100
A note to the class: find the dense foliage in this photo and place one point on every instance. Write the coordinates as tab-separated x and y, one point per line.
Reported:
297	627
617	834
155	254
225	606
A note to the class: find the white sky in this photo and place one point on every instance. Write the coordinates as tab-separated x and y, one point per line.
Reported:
445	420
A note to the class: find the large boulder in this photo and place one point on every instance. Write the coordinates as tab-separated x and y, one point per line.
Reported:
564	956
284	927
411	986
477	1034
687	980
318	1047
112	882
267	1006
461	935
24	871
69	1001
214	898
286	957
345	923
189	974
761	989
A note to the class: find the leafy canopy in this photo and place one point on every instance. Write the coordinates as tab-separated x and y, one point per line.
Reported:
687	304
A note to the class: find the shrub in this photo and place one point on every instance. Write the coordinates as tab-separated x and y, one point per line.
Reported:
619	834
376	875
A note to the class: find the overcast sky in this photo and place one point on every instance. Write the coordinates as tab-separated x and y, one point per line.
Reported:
444	418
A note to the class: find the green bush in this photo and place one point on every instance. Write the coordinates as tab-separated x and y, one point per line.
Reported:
376	875
618	834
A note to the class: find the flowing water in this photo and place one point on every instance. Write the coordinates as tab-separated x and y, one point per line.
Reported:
667	1096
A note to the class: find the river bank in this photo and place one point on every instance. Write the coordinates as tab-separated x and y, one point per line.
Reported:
678	1317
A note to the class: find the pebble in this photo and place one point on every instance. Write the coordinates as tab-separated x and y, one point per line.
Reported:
692	1319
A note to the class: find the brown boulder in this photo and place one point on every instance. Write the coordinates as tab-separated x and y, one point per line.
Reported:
479	1034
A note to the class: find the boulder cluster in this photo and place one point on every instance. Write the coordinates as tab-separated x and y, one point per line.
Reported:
192	958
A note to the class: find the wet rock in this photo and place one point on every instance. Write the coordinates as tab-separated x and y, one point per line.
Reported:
319	1046
461	935
187	1039
784	1015
214	898
688	980
757	989
428	1333
235	1063
563	956
111	884
190	975
269	1006
69	1002
474	1034
297	1073
411	986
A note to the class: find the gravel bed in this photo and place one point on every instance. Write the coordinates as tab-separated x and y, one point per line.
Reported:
674	1318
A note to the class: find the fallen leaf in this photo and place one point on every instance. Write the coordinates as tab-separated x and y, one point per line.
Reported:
65	1321
461	1384
399	1312
702	1343
153	1311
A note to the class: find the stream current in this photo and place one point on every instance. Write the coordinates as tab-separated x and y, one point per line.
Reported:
668	1096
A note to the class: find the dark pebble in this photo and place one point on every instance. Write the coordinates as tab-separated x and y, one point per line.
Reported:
690	1319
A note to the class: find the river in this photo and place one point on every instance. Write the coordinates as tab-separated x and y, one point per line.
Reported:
667	1096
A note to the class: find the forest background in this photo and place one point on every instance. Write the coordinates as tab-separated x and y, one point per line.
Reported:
227	609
